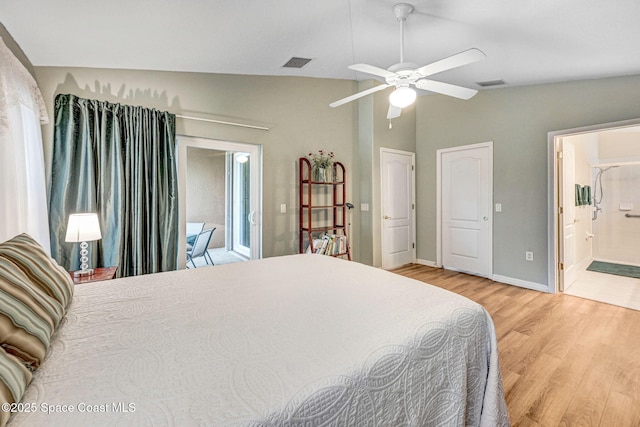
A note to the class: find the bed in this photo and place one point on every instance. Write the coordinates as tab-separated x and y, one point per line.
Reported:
300	340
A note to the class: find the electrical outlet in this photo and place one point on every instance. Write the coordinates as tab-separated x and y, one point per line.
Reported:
528	256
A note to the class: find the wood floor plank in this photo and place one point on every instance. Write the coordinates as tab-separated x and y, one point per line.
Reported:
620	412
600	325
591	394
509	379
565	361
552	405
566	329
510	352
514	309
531	385
526	422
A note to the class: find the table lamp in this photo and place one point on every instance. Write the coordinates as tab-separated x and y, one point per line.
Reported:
83	227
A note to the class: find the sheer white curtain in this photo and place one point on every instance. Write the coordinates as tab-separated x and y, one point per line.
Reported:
23	194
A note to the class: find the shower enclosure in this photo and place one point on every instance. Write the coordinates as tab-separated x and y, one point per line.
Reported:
616	216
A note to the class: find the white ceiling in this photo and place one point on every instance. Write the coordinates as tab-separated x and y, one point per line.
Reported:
526	41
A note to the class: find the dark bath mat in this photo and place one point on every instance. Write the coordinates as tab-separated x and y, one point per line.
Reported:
617	269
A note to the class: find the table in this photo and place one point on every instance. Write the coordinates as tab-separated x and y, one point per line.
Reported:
99	274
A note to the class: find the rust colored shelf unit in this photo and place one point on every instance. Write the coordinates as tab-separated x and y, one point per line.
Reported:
323	211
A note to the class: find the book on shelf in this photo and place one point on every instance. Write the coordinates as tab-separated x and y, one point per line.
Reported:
329	244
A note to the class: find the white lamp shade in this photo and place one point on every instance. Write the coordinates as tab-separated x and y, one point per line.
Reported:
402	97
83	227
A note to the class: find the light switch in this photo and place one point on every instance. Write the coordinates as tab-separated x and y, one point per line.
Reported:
283	208
498	207
364	207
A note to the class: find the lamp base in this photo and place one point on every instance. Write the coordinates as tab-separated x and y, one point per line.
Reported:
82	273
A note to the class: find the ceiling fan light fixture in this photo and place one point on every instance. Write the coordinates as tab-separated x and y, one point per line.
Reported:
406	74
402	97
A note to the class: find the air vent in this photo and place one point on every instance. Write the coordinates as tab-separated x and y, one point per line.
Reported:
491	83
296	62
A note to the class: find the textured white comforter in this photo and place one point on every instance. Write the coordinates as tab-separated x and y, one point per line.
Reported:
296	340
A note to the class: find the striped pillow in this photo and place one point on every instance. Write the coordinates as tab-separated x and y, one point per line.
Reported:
14	379
43	271
28	316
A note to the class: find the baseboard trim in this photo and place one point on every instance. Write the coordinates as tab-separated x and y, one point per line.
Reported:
497	278
427	263
521	283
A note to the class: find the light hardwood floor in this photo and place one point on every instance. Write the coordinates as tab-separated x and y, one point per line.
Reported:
566	361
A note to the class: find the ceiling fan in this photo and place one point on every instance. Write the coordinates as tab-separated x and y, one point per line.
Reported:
406	74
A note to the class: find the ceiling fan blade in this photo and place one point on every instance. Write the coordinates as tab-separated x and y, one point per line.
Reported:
446	89
393	112
358	95
370	69
458	60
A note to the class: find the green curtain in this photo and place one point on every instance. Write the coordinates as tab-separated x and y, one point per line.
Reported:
119	161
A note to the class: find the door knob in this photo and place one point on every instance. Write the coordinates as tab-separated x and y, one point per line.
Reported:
486	218
387	217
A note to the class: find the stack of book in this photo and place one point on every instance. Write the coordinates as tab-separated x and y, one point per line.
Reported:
329	244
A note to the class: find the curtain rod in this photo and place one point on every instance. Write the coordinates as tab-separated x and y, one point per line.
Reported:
244	125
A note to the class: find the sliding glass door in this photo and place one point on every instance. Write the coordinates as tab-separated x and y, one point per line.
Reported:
241	214
243	207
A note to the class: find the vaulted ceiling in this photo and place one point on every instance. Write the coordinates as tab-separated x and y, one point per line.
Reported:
526	41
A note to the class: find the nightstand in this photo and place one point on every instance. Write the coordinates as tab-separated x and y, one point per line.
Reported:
99	274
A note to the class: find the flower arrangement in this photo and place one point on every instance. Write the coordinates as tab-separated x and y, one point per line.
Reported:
322	159
322	166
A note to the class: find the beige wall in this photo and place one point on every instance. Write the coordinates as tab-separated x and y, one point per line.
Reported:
206	191
517	120
294	108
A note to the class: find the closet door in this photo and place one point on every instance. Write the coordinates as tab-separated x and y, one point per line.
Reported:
466	215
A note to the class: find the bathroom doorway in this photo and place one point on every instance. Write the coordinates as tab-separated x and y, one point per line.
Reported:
596	219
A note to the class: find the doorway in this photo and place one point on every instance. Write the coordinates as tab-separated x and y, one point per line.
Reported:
397	187
605	160
225	193
464	212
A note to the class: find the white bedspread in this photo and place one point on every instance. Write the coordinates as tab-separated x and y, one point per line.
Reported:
296	340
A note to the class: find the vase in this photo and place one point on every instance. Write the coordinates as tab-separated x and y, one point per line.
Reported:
321	174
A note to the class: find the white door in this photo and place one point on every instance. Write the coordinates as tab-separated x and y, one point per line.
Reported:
567	164
398	207
466	208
